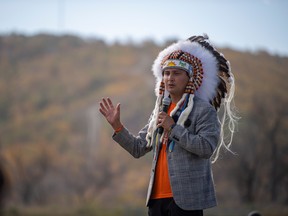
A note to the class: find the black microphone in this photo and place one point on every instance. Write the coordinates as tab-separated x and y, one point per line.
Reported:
165	105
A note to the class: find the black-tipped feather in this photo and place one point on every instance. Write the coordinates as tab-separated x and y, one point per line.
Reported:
223	69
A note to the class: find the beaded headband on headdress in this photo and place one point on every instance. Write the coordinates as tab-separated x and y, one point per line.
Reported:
174	63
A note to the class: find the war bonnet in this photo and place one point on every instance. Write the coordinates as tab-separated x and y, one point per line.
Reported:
211	80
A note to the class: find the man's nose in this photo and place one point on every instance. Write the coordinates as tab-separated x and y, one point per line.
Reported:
171	76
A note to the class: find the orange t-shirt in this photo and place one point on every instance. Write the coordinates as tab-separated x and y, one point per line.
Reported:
161	186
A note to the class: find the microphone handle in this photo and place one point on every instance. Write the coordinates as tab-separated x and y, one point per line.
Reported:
160	130
165	109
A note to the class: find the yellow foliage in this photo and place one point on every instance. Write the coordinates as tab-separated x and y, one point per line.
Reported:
49	85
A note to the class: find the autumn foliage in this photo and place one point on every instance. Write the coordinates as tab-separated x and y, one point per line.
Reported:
56	148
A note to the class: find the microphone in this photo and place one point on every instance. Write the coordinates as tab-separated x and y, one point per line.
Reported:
165	105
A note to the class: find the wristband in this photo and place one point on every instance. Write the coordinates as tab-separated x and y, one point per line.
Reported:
119	129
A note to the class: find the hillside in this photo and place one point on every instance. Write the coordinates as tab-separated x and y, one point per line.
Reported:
57	149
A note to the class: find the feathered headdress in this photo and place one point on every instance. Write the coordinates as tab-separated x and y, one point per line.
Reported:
210	74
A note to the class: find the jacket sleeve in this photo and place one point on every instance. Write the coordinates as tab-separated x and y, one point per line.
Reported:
202	136
135	145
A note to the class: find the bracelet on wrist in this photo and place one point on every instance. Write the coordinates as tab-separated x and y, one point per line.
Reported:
119	129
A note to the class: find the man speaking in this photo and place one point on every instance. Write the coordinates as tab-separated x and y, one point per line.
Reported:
192	81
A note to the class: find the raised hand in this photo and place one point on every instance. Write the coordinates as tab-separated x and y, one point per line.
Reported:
111	113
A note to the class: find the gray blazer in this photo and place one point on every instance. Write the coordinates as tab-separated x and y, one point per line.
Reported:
189	163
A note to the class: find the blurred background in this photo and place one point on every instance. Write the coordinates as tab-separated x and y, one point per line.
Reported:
58	58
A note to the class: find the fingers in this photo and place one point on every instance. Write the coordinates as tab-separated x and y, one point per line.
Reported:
111	113
118	107
164	120
105	106
161	119
110	103
162	116
103	112
105	103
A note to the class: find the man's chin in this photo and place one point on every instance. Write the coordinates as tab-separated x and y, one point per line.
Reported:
172	92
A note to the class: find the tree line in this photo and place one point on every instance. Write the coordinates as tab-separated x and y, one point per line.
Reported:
55	148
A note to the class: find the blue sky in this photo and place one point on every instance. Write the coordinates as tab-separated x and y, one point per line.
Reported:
241	24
